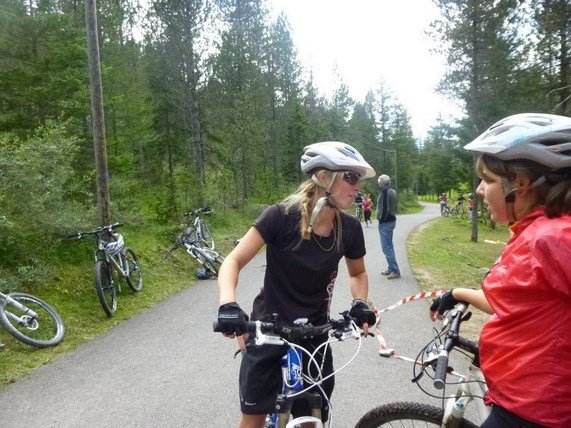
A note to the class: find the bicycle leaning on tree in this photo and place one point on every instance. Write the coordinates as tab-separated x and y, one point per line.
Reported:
433	361
110	255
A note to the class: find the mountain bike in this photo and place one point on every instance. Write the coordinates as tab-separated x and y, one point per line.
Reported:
112	255
297	385
31	320
433	361
447	210
358	211
203	233
193	244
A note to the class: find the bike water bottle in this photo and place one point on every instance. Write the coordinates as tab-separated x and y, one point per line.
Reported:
291	364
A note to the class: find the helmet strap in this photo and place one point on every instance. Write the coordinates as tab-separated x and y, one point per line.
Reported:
324	200
509	195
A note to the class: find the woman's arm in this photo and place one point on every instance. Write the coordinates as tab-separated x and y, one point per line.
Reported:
248	247
358	278
476	298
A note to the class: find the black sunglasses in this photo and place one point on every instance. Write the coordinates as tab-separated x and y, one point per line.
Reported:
351	177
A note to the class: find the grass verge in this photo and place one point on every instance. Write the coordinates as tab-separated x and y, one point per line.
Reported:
443	256
72	293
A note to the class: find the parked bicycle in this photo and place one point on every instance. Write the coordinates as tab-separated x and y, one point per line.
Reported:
433	361
203	233
358	211
31	320
112	254
447	210
295	384
193	244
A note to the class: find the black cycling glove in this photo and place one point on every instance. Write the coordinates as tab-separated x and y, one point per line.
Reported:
362	313
232	319
444	302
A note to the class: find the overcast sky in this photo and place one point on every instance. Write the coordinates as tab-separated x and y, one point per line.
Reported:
369	41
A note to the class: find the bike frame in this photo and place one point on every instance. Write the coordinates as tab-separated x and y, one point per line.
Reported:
116	260
293	383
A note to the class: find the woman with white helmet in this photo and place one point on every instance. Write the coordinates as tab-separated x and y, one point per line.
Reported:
525	346
305	236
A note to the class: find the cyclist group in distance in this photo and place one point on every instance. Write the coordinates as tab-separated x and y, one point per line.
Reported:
525	169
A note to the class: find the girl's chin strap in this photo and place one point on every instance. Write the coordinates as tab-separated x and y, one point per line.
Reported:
509	197
324	200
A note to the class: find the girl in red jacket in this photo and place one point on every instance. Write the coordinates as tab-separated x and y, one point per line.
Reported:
525	346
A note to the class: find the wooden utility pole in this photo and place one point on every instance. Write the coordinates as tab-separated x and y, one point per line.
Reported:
97	114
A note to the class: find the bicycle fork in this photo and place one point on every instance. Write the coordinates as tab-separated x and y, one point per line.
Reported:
473	388
27	313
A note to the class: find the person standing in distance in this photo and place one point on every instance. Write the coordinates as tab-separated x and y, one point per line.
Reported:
386	214
306	236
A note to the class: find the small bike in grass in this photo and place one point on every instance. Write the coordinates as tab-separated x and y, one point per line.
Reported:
433	362
30	320
194	245
203	233
296	384
111	254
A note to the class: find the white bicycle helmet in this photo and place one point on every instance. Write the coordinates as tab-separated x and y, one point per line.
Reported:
114	247
542	138
334	156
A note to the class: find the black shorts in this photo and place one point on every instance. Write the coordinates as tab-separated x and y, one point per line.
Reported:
261	378
501	418
367	215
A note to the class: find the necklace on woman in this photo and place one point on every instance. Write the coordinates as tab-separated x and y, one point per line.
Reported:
315	238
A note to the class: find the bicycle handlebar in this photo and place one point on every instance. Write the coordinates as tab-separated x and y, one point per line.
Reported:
452	339
203	210
295	331
108	228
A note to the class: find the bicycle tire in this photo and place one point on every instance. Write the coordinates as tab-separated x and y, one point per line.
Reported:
135	277
105	287
207	260
405	414
206	236
44	331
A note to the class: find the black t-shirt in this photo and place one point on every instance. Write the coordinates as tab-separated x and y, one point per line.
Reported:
300	275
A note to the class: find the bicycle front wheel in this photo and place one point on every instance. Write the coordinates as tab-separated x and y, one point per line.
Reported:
43	330
208	259
135	278
406	414
105	287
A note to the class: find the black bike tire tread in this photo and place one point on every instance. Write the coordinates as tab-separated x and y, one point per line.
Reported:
29	340
130	282
400	411
100	293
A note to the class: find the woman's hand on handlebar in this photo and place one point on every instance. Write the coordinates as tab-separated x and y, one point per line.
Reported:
441	304
363	315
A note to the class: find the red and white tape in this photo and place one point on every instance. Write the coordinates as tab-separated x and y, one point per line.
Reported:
383	349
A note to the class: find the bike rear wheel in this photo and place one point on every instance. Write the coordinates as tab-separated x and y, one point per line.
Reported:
105	287
135	278
406	414
46	329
